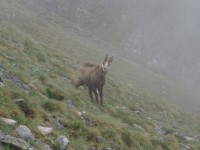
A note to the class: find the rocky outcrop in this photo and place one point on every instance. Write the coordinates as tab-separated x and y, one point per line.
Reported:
16	142
9	76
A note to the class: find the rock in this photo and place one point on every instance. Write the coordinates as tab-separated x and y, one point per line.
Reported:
1	83
17	142
197	137
84	117
159	130
140	110
25	133
99	139
184	147
59	123
10	122
45	130
172	132
69	104
43	146
63	142
183	136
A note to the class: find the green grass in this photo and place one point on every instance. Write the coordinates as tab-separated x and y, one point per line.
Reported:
39	61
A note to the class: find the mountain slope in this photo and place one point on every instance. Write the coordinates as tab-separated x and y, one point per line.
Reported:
33	50
62	35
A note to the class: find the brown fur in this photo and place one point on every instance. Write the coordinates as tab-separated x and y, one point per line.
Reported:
94	77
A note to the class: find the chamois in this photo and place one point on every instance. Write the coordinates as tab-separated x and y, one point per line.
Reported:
94	77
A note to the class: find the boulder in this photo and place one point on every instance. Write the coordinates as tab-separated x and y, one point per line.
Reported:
63	142
16	142
25	133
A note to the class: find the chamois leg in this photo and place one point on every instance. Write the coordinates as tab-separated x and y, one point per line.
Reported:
96	95
90	93
101	94
79	83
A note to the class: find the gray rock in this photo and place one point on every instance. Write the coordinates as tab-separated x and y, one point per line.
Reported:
99	139
197	137
45	130
84	117
63	142
184	147
17	142
25	133
59	124
10	122
69	104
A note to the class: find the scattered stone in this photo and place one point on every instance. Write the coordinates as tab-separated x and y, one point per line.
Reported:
63	142
25	133
17	142
159	130
1	83
140	110
172	132
184	147
99	139
183	136
45	130
59	123
84	117
69	104
197	137
10	122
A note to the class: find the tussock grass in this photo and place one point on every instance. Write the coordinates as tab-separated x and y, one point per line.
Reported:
52	75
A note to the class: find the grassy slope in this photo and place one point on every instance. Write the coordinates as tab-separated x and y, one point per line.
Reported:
60	34
52	73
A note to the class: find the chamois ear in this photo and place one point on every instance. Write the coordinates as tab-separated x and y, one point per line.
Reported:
110	60
106	59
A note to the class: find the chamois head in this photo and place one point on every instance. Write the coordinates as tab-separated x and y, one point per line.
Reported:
106	63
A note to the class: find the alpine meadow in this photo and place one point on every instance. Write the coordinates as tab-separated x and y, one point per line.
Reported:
149	101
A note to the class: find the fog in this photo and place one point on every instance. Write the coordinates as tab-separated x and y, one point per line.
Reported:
161	35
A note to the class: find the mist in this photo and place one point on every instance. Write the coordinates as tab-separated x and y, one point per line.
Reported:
161	35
